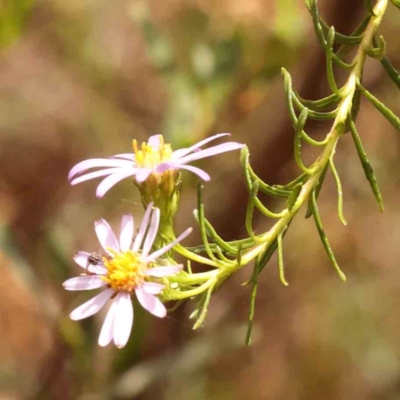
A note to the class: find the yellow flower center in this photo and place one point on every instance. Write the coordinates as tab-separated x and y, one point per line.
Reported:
125	270
148	157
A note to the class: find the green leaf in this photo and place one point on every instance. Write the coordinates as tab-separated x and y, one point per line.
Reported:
316	115
391	71
280	261
287	84
295	182
368	170
396	3
313	9
339	190
253	188
355	107
379	49
265	257
254	281
297	141
250	176
250	210
293	196
345	49
325	102
317	191
219	241
201	222
329	65
324	238
351	40
386	112
201	315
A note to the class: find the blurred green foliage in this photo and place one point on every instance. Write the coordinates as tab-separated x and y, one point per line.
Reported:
13	17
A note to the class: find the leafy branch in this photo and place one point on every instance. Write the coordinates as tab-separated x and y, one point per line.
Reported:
341	108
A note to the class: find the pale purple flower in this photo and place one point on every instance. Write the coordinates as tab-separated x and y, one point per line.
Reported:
154	157
129	267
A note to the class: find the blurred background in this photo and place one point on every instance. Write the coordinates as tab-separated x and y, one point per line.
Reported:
82	78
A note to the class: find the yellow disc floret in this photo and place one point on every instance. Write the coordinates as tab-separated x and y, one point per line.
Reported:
149	157
125	270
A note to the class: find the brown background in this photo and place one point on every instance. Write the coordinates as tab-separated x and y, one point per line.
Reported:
82	78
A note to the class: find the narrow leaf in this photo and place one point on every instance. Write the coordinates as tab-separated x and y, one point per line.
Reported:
386	112
280	261
318	188
324	238
253	297
368	170
379	50
313	9
201	222
287	84
391	71
339	190
321	103
329	65
351	40
297	141
295	182
250	210
316	115
250	176
219	241
204	308
293	196
345	49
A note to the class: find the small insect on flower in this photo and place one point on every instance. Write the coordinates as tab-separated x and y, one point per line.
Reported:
153	158
93	259
129	268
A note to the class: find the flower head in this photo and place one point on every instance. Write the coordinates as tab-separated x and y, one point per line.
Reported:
127	269
152	159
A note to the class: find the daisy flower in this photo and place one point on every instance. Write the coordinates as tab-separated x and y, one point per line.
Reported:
127	269
153	158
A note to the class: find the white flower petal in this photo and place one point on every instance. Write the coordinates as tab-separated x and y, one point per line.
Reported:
107	330
111	180
159	272
152	287
212	151
142	174
92	306
125	156
176	165
96	163
143	227
123	319
106	235
169	246
93	175
151	303
81	258
152	233
154	141
126	233
87	282
183	152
